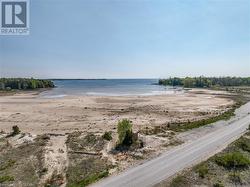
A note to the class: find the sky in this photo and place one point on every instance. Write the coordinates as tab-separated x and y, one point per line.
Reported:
130	39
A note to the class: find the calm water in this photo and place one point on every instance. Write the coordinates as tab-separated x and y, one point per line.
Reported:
109	87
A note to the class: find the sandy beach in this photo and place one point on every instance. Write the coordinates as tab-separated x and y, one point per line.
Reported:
65	133
36	115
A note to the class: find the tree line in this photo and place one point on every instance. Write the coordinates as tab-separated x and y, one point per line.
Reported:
205	82
24	83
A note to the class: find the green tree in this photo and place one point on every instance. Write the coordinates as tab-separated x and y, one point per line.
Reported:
125	133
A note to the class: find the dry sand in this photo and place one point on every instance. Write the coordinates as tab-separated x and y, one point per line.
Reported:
37	115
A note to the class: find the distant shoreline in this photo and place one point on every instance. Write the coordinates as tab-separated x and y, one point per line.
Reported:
73	79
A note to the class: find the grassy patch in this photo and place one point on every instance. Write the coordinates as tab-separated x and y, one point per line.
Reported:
7	164
90	179
179	127
179	181
232	160
79	142
6	178
85	169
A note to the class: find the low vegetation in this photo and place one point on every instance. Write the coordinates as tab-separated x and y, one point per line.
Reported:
92	178
6	178
179	181
107	135
218	184
196	124
86	164
234	160
23	164
24	83
184	126
244	144
206	82
202	170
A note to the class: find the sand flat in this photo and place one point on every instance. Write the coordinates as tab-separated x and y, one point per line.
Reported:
38	115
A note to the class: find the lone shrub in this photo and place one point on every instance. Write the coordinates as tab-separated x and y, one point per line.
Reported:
15	130
244	144
202	170
125	133
233	160
107	135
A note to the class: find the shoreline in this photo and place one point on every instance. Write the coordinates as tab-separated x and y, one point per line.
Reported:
100	113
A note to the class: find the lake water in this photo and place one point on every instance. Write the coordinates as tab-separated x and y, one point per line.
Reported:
107	87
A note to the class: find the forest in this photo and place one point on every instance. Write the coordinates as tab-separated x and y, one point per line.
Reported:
24	83
205	82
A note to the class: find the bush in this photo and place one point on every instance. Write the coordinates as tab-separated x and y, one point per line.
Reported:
179	181
244	144
218	184
233	160
125	133
107	135
16	130
202	170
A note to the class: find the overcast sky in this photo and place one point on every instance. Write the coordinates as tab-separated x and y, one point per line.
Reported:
130	39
